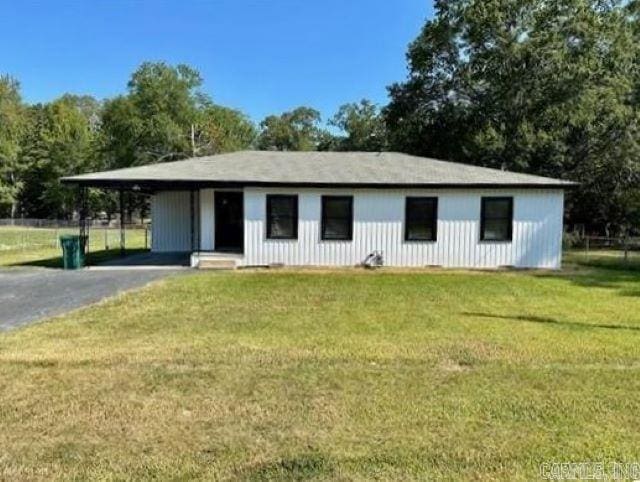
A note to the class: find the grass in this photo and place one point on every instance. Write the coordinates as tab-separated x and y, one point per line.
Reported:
341	375
20	246
607	259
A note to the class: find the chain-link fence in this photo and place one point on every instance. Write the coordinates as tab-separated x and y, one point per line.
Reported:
29	234
622	247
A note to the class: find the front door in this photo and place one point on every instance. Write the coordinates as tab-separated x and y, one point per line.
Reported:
229	225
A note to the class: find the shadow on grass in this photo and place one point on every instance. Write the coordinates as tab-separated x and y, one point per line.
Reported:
92	258
599	272
611	263
598	279
552	321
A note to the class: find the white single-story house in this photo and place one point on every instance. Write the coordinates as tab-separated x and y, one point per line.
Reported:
260	208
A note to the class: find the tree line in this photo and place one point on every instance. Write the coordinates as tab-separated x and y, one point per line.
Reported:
548	88
164	116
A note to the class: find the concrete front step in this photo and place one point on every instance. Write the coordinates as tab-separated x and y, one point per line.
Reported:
215	260
217	264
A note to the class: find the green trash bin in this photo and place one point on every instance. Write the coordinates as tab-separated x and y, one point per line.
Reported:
72	251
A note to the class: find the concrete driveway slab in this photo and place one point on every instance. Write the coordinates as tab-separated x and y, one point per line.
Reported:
148	260
30	294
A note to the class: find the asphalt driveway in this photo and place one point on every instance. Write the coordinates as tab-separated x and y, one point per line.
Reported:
29	294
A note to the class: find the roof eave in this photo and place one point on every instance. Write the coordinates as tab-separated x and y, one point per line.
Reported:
180	184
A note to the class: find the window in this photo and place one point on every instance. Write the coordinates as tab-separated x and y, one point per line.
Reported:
421	219
282	216
496	219
337	218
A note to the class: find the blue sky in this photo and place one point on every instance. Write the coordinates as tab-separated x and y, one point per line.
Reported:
261	56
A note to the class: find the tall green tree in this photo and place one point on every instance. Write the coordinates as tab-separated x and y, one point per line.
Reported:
297	130
220	129
165	117
120	134
89	106
58	143
363	125
12	122
154	121
543	87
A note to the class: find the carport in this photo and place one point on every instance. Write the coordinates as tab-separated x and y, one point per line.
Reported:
125	188
182	213
147	260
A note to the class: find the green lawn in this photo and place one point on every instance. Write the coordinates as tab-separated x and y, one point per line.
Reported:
40	247
348	375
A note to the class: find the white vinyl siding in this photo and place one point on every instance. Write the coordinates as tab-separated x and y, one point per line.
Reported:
379	216
171	221
379	226
207	226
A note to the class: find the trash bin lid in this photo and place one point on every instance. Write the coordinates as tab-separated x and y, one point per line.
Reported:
69	237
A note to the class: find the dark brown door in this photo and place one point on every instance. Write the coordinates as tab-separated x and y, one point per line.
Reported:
229	223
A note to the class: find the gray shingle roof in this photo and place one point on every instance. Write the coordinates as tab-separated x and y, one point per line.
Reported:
271	168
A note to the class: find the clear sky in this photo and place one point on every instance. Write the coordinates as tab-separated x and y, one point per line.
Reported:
261	56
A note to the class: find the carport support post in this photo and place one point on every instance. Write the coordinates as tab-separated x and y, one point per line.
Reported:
192	213
82	219
122	230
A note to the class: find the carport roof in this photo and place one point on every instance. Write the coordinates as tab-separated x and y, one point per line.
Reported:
312	169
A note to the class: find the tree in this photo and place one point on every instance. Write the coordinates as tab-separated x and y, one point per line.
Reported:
220	129
297	130
549	88
58	143
154	122
363	125
121	134
328	141
89	106
12	122
166	117
166	100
